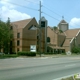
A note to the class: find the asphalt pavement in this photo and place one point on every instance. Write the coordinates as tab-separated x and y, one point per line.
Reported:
42	68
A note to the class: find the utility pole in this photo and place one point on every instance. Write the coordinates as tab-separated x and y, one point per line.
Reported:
40	29
46	37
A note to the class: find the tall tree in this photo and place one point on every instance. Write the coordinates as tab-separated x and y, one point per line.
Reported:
8	22
5	35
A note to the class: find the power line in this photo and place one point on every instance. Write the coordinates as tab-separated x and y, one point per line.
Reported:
52	11
37	9
20	5
50	16
32	2
58	15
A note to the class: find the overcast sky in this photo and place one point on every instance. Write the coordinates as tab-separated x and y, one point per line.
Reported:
52	10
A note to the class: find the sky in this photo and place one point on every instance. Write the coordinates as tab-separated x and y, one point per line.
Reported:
52	10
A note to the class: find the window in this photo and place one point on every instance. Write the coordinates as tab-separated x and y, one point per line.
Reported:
33	27
18	35
18	42
42	23
48	39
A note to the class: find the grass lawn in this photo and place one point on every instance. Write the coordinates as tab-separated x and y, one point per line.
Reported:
8	56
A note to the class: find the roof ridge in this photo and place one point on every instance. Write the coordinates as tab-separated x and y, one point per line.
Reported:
74	28
22	23
22	20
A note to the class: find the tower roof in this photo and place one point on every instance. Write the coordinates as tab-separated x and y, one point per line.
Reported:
63	21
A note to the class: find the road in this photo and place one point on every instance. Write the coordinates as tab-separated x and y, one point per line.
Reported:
38	68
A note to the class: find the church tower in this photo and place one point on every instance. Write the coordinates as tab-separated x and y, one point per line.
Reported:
63	25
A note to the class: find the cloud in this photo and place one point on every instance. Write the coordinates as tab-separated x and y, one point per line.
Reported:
10	3
9	10
75	22
13	14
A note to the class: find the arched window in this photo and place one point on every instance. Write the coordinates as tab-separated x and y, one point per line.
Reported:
48	39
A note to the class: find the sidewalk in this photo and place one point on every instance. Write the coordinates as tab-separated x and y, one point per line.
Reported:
58	55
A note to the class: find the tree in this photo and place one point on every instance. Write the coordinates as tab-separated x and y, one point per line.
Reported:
8	22
56	30
5	35
60	31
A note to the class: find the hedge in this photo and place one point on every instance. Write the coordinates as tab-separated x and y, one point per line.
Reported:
24	53
76	50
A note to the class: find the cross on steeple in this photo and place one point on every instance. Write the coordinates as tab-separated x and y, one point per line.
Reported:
62	17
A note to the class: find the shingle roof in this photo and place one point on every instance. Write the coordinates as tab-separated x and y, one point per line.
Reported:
67	42
71	33
21	23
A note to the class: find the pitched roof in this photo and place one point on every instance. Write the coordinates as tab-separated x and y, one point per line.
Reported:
57	31
71	33
21	23
62	22
67	42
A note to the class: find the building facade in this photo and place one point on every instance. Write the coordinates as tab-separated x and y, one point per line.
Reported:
26	33
65	41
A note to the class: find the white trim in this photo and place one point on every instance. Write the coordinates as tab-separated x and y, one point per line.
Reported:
72	40
63	23
77	33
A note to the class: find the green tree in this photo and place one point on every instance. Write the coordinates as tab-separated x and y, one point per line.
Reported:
60	31
56	30
8	22
5	35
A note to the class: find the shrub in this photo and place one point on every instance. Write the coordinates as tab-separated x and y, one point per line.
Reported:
13	53
24	53
31	54
75	50
49	53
